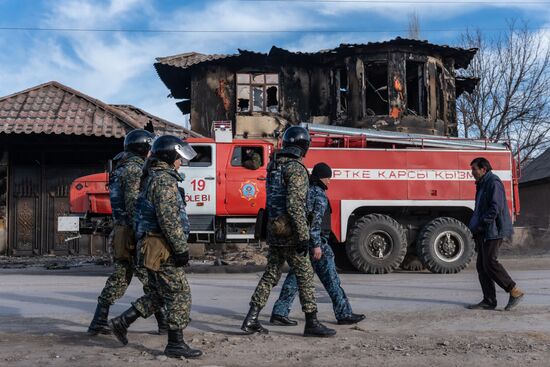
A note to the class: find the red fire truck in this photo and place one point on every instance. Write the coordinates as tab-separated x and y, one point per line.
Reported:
392	194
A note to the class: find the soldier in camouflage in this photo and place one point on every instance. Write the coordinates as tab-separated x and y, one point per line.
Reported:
287	233
123	191
322	257
162	228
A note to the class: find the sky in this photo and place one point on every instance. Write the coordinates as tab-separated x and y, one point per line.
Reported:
115	62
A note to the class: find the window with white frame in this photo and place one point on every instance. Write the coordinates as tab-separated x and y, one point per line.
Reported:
257	92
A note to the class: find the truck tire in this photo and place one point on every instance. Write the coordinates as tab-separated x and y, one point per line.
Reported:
377	244
445	245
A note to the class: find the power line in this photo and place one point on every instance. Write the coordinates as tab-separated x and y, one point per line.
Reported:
384	2
129	30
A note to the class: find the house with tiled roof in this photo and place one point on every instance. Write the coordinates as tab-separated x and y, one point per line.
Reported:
51	134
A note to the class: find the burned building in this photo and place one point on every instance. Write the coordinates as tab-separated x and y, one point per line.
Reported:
399	85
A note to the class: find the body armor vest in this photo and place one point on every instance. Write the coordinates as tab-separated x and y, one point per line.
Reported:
146	217
275	190
116	195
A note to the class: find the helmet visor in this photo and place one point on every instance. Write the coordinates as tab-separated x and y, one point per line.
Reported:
185	151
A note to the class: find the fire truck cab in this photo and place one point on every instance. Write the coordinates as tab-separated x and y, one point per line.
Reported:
223	196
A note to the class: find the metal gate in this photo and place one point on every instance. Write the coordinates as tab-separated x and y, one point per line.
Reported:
38	195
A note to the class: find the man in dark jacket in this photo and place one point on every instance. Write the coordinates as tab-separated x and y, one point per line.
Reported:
491	223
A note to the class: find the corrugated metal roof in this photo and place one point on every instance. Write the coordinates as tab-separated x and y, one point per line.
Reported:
53	108
538	169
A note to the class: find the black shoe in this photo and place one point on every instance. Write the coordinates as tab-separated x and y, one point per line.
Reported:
119	325
160	315
315	328
177	348
351	319
99	322
282	320
483	305
513	302
251	324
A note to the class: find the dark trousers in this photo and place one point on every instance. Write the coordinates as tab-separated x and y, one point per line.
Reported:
489	270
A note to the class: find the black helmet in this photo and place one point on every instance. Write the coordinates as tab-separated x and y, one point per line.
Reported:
169	148
296	137
138	142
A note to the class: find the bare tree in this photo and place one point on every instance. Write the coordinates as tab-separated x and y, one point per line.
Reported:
414	26
511	101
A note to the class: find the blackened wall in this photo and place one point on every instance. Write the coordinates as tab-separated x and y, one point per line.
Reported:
310	93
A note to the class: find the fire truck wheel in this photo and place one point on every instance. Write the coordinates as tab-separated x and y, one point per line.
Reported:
445	245
377	244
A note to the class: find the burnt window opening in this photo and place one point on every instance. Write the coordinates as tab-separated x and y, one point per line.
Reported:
242	104
439	93
417	101
257	99
243	98
257	92
376	90
342	90
272	99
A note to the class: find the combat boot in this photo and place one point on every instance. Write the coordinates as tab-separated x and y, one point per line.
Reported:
282	320
315	328
99	322
251	324
177	348
354	318
160	315
119	325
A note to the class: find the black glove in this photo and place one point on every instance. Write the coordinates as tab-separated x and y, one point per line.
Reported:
181	191
302	248
181	259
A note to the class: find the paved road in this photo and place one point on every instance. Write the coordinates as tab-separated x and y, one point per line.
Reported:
224	297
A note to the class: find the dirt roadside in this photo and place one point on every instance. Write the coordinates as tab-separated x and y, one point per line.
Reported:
245	262
442	338
430	336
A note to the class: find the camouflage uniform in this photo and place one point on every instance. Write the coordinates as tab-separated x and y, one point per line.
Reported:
168	217
319	212
124	190
287	186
